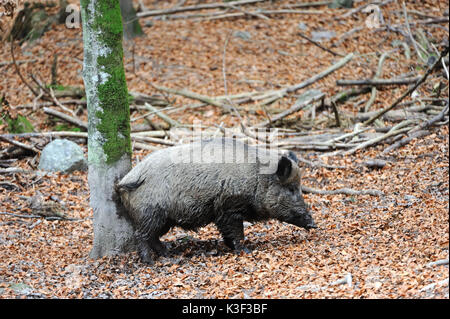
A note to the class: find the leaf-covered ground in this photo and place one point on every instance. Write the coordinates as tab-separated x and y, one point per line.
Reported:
381	245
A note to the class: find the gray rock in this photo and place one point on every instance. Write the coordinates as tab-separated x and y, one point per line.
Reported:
322	35
62	156
302	26
244	35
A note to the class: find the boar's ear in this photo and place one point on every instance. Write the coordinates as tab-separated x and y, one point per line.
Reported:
292	156
284	169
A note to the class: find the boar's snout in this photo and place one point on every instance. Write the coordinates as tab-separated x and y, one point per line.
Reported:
303	220
311	225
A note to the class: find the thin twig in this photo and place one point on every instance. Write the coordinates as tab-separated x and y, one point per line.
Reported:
52	95
373	94
294	108
396	130
66	118
345	191
409	91
19	144
377	82
224	62
161	115
410	34
319	45
195	8
18	70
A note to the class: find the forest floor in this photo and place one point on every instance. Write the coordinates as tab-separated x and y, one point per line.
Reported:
365	247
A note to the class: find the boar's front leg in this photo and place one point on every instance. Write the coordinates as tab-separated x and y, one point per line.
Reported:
231	227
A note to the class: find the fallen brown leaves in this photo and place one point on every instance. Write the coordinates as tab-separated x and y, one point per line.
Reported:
378	247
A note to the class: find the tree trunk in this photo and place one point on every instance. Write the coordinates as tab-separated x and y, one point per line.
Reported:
131	26
109	142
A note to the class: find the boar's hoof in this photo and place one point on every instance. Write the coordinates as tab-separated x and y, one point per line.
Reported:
243	249
159	248
145	258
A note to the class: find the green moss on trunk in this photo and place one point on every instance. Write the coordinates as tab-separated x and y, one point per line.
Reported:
113	109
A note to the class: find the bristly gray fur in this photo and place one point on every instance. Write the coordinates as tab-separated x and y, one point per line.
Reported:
160	192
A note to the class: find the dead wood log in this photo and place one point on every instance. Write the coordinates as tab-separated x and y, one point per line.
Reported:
396	130
410	90
195	8
319	45
377	82
295	108
345	191
418	131
19	144
67	118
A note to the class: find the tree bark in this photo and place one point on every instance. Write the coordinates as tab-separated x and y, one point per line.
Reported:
109	143
131	26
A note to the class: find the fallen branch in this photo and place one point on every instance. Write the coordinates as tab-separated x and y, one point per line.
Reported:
47	134
272	96
34	105
438	263
18	70
153	140
410	90
345	191
377	82
295	108
66	118
346	35
373	94
417	131
143	146
319	164
396	130
308	4
141	136
424	60
19	144
14	170
52	95
355	132
434	285
321	75
406	140
20	216
161	115
346	280
264	12
319	45
432	121
343	96
195	8
194	96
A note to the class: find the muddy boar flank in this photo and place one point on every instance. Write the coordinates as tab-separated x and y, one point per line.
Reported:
231	182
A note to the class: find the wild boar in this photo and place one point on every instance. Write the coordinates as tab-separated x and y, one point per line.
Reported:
221	181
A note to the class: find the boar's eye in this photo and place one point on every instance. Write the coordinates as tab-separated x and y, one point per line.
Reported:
292	189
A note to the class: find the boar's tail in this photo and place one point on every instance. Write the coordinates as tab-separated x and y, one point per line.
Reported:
119	189
129	186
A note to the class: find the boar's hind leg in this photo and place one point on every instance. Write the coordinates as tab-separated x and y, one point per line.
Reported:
154	242
152	225
144	250
232	229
